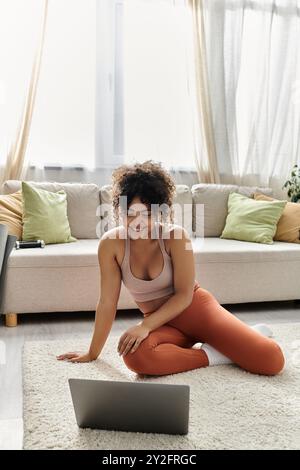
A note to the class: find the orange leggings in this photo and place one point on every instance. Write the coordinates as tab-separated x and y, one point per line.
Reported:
168	349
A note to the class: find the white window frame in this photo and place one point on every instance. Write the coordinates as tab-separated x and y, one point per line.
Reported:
109	89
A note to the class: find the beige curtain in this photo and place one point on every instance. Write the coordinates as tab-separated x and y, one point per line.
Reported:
205	150
15	166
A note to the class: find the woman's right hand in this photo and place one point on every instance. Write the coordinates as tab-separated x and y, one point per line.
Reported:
76	357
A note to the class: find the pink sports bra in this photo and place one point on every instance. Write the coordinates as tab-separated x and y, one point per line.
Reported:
141	289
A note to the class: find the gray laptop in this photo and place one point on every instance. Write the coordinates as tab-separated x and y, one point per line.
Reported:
131	406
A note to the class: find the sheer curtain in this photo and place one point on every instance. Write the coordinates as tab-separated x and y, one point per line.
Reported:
204	139
62	133
22	33
254	72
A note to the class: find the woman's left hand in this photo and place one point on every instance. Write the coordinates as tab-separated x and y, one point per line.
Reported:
131	339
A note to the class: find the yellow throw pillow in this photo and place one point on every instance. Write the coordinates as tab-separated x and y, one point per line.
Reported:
288	227
11	210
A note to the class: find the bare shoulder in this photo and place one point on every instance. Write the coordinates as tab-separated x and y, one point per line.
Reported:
111	240
176	237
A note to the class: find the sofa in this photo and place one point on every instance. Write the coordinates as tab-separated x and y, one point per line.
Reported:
66	277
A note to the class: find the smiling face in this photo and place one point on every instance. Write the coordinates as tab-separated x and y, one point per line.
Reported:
139	219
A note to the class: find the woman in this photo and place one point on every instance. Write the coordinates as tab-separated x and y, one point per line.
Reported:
156	265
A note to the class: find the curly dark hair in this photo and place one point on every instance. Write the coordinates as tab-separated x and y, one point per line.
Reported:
149	181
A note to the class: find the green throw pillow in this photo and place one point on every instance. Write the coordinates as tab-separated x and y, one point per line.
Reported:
252	220
45	215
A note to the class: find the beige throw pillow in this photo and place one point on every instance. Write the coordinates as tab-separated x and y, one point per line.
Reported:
288	227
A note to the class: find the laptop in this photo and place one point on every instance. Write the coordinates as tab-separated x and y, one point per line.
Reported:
131	406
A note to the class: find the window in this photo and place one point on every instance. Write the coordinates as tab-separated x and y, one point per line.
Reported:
109	84
113	83
157	108
143	107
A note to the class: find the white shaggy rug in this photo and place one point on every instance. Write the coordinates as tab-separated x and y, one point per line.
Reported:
229	408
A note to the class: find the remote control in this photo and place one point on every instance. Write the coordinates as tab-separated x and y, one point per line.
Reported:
29	244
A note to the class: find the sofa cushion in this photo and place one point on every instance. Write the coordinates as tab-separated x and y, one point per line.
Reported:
238	271
288	227
83	252
82	199
68	270
106	208
45	215
222	250
210	203
251	220
183	206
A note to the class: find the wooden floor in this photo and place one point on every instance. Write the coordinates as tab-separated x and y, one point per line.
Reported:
65	325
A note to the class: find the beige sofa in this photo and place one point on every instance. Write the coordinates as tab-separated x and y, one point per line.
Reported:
65	277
